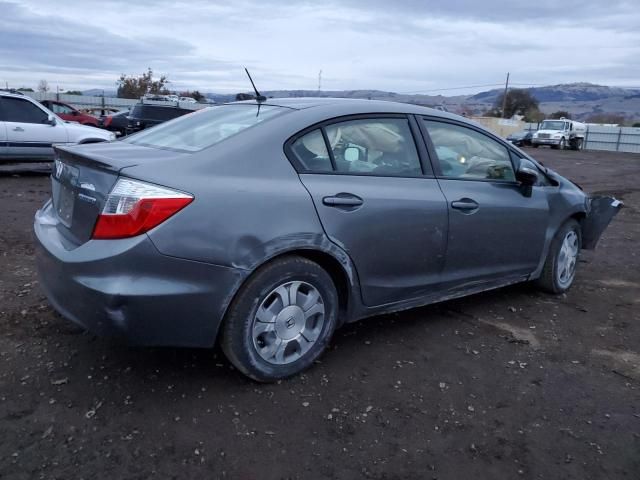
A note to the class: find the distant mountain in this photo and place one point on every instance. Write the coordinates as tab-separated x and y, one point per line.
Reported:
569	92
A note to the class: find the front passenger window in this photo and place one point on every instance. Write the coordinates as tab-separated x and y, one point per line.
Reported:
467	154
21	111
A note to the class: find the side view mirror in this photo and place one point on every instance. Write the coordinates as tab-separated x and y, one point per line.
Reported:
527	176
51	120
351	154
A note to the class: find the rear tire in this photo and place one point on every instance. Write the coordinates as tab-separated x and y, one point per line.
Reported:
559	268
281	320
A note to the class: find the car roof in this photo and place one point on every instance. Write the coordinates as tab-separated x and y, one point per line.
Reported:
358	104
6	93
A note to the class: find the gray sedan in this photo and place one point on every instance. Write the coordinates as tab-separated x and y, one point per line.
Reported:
265	226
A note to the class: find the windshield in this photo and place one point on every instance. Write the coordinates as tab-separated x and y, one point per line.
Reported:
549	125
204	128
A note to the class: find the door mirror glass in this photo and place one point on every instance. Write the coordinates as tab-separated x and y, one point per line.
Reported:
527	176
351	154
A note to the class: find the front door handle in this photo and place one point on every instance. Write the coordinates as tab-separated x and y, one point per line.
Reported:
18	129
343	200
466	205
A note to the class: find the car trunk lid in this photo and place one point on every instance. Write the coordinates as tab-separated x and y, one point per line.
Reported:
82	178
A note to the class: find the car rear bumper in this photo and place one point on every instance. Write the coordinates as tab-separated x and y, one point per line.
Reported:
128	290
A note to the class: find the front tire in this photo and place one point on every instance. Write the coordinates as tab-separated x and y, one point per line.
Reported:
563	144
559	269
281	320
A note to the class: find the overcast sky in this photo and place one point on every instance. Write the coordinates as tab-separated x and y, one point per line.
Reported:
397	45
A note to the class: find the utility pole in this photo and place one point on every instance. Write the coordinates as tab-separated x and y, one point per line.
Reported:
319	80
504	97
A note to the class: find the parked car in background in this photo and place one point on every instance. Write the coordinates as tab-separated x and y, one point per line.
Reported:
144	116
28	130
101	112
69	113
116	122
268	225
188	100
521	139
560	134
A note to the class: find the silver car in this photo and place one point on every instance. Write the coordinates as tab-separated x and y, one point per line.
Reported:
265	226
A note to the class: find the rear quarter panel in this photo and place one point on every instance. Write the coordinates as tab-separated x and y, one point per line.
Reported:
249	203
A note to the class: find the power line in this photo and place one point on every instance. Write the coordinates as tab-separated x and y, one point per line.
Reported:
452	88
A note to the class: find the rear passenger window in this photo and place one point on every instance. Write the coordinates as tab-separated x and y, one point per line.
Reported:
464	153
375	146
311	151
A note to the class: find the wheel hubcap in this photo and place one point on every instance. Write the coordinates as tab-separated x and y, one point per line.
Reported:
567	259
288	322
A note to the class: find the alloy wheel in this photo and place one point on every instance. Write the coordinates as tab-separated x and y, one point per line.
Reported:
288	322
567	259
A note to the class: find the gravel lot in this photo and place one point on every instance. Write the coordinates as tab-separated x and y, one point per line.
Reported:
507	384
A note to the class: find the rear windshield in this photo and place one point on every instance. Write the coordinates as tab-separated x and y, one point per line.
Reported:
157	113
205	127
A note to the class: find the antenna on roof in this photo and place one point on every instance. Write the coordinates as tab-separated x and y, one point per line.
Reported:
259	98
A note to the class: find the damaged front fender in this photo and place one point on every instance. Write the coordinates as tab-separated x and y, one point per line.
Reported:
600	212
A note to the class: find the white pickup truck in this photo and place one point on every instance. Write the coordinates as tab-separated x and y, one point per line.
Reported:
561	133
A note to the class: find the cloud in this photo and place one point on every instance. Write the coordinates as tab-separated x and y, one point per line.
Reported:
407	45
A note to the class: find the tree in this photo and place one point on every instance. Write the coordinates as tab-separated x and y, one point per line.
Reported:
196	95
25	89
519	102
560	114
43	86
244	96
637	124
135	87
73	92
534	115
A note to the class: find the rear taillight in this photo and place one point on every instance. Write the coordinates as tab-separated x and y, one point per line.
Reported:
107	121
134	207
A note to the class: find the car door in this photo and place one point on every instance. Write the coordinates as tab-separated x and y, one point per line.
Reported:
376	202
496	232
3	137
29	133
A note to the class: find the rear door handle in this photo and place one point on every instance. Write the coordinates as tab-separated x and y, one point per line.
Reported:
465	204
343	200
18	129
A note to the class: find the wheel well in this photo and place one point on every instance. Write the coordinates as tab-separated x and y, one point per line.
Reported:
335	269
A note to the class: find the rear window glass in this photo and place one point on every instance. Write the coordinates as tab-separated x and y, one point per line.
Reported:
205	127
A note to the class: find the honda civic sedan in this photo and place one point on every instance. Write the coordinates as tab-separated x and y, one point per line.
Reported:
266	226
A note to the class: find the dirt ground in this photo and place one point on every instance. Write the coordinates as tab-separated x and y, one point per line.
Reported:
507	384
